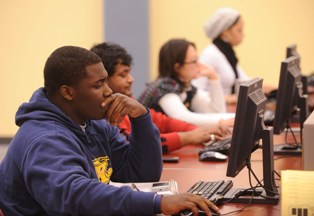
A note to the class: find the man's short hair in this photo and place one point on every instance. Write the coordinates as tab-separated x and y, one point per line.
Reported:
67	66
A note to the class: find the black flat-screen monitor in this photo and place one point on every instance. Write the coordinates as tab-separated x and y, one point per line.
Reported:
290	101
249	129
291	50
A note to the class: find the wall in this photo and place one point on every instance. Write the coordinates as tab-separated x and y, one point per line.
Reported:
131	30
270	26
30	31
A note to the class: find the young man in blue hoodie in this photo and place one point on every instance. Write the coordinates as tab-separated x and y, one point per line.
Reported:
67	148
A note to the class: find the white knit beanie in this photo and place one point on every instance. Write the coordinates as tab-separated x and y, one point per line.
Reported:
221	20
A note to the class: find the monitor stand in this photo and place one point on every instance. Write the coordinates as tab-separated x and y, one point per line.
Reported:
270	193
287	149
301	116
292	148
241	195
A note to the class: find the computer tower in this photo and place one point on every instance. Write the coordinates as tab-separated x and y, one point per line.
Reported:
308	143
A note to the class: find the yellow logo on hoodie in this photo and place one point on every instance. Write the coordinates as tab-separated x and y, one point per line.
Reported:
103	169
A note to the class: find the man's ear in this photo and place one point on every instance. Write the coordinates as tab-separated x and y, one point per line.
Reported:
67	92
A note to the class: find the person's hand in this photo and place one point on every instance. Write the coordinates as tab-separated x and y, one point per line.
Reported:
202	134
118	106
224	128
173	204
226	123
231	99
220	133
208	71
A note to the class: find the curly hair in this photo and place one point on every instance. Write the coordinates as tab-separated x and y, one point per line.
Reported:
112	54
67	66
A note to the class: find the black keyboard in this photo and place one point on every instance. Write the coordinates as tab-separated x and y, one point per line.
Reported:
221	146
212	190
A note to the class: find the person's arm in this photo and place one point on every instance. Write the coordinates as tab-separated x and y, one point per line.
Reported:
173	204
209	102
212	56
141	160
146	149
175	140
242	75
213	100
170	140
125	127
169	129
201	134
62	179
175	134
59	174
173	107
201	83
167	124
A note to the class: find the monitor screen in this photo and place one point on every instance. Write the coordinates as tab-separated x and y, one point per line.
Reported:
248	131
290	96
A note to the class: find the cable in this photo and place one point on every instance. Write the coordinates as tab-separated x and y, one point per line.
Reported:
259	183
277	174
237	211
288	128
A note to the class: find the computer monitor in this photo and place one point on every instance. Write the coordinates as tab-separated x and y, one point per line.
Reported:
291	50
249	129
307	145
290	100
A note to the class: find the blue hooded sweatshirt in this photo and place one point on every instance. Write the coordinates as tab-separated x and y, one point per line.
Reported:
54	167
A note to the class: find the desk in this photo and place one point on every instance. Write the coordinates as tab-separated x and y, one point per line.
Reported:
189	170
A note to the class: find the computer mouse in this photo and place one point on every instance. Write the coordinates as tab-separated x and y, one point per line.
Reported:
188	212
212	156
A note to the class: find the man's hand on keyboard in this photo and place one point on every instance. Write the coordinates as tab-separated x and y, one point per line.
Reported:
173	204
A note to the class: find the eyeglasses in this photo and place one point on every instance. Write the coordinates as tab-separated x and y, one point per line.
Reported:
191	62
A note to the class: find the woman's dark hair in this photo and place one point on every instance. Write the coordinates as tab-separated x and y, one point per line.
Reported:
111	54
67	66
172	52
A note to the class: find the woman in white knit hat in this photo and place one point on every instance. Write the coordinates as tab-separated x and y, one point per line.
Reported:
225	28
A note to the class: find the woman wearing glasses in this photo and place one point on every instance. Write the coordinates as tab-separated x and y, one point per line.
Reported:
173	94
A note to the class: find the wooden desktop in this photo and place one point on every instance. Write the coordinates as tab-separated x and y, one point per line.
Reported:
189	170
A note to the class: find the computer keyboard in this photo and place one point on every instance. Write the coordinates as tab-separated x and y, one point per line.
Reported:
221	146
212	190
